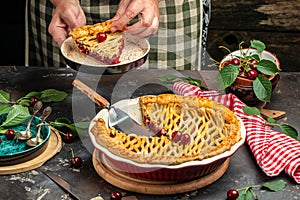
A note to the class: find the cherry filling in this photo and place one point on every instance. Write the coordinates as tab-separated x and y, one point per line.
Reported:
154	126
115	59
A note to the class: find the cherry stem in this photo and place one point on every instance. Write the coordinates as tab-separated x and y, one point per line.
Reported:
246	188
72	152
54	129
223	47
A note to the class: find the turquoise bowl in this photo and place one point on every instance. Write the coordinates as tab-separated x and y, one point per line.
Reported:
17	151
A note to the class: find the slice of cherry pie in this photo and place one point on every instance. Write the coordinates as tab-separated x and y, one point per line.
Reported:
98	42
190	128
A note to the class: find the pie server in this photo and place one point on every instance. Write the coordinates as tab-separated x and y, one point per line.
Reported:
117	117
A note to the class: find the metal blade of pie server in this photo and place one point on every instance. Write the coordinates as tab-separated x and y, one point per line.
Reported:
124	123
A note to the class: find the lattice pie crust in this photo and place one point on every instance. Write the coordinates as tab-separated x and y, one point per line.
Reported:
213	129
108	52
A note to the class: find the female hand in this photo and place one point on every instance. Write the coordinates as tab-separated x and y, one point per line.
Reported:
67	15
148	21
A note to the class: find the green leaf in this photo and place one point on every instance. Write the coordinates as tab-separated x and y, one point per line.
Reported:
194	81
258	45
4	97
63	120
289	130
4	109
271	120
82	125
275	185
54	95
33	94
262	88
254	56
246	195
24	102
2	131
227	76
76	128
267	67
17	115
251	110
170	78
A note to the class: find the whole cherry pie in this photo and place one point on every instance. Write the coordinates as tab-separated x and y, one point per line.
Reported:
184	129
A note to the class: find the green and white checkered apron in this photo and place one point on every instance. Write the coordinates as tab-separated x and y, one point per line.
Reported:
178	44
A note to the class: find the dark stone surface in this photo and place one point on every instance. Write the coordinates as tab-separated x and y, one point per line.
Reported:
242	171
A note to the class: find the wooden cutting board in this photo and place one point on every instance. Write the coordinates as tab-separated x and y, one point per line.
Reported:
53	147
268	113
130	183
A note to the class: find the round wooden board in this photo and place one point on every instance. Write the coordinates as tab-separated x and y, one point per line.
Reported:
133	184
54	146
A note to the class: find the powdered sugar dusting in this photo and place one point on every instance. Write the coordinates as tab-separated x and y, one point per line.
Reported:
131	52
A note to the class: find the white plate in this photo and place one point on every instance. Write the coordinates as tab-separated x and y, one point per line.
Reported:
135	49
131	106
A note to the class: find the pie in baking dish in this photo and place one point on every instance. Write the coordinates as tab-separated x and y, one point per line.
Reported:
98	42
184	129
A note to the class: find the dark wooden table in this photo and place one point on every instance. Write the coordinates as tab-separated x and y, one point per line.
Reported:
242	171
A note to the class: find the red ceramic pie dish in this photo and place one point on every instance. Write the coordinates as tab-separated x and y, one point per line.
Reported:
183	172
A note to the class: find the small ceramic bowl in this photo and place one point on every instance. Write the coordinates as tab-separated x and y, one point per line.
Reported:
17	151
186	171
243	87
133	56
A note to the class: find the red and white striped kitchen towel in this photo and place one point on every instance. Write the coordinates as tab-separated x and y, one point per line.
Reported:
273	150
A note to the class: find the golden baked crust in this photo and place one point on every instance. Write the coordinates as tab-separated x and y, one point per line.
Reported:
211	127
89	30
108	51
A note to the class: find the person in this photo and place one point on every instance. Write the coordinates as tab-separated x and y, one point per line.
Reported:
176	29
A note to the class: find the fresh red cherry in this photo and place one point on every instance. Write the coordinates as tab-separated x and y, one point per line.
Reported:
235	61
185	139
69	137
10	134
232	194
252	64
176	135
226	63
115	196
33	100
76	162
252	74
253	61
101	37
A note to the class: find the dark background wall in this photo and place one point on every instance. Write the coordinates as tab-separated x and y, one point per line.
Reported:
12	19
275	22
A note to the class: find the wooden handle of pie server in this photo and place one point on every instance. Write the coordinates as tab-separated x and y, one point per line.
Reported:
94	96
